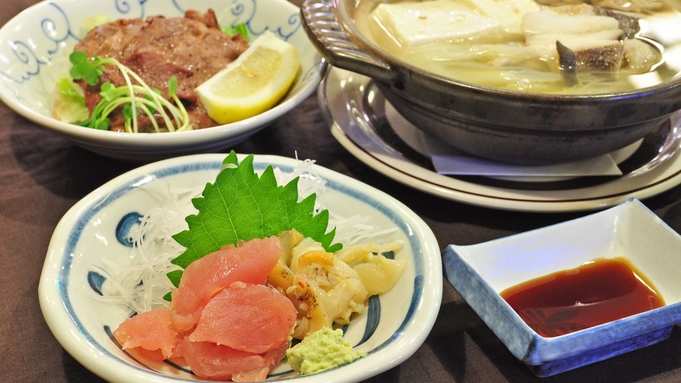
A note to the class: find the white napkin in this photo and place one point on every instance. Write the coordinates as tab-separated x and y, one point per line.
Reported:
448	160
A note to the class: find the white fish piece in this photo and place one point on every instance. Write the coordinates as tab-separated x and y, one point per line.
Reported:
574	41
545	21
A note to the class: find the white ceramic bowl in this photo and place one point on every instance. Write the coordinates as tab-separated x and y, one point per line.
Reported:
87	234
34	49
630	230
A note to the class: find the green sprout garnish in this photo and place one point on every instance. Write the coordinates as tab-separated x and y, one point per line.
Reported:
84	69
135	98
233	30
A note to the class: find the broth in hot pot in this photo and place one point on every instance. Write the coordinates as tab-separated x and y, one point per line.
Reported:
541	46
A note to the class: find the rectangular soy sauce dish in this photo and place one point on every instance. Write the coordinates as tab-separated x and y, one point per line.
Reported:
629	230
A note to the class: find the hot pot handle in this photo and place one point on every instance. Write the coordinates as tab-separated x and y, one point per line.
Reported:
333	41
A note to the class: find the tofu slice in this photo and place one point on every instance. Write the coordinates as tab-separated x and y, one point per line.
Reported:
409	25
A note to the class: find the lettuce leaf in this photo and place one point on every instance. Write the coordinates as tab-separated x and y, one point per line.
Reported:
69	104
242	206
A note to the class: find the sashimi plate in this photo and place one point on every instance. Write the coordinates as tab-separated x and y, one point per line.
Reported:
92	233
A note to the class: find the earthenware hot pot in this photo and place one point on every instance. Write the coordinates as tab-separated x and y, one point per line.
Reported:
502	125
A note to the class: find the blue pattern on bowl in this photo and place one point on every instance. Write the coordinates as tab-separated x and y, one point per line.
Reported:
96	280
124	226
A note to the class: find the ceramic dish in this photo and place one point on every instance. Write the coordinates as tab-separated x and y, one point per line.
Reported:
35	44
355	112
480	272
87	234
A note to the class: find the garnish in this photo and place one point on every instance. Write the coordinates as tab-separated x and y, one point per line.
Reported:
253	83
241	206
69	103
134	98
233	30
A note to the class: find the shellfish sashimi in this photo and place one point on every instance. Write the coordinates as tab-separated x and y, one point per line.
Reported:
246	317
205	277
151	333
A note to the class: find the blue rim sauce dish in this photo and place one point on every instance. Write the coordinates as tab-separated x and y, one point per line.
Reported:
629	230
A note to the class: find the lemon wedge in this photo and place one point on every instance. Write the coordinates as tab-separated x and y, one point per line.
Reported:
253	83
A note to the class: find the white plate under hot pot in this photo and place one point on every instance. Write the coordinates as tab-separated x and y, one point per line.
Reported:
355	111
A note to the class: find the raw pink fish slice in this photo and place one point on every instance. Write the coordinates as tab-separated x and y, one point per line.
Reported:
247	317
240	326
271	358
209	360
151	331
203	278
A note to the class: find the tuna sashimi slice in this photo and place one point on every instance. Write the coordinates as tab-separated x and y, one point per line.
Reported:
184	324
247	317
271	359
203	278
151	331
209	360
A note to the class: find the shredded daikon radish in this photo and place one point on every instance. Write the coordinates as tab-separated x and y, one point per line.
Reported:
141	283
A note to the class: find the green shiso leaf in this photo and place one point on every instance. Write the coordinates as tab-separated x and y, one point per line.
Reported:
242	206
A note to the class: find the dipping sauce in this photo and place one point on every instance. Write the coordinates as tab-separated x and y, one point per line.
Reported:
597	292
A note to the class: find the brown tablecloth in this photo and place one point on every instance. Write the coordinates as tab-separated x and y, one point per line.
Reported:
42	175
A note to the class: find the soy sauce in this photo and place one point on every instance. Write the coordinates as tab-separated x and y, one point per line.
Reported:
570	300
